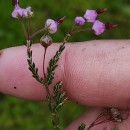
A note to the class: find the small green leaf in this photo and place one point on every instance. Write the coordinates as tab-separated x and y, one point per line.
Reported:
82	126
51	107
32	66
59	106
115	129
57	87
52	66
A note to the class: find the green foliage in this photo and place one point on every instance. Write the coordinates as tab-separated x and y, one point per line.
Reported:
59	97
32	67
52	66
56	101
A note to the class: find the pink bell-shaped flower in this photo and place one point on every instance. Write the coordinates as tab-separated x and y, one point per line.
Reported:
21	12
90	15
51	25
98	27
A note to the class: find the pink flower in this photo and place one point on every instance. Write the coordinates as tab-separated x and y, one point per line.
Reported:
21	12
90	15
27	12
18	11
51	25
79	21
98	27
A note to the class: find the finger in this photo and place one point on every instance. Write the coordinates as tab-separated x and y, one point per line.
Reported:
94	73
15	77
97	73
88	117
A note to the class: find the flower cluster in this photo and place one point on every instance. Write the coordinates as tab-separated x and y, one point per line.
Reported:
19	12
90	16
51	25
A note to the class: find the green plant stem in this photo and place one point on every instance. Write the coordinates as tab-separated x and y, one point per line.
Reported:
23	27
68	35
52	65
31	64
50	100
54	113
50	75
44	62
37	32
82	30
28	28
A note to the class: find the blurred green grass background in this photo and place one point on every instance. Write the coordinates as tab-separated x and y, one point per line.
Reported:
17	114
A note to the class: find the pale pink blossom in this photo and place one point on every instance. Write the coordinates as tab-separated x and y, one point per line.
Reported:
21	12
27	12
51	25
79	21
17	12
90	15
98	27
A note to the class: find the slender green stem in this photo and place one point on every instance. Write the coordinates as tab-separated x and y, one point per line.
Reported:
54	113
24	29
28	28
82	30
37	32
51	98
69	34
44	62
31	64
50	75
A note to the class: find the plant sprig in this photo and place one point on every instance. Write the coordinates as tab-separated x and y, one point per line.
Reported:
82	127
52	66
32	67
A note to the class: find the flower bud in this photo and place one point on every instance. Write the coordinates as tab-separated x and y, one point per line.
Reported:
46	41
59	21
101	10
110	25
14	2
79	21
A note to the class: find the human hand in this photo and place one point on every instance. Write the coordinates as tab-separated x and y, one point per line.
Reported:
94	73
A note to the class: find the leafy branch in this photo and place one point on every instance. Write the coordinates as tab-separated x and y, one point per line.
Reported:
32	66
52	66
55	102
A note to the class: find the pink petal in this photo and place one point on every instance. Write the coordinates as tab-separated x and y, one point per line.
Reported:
51	25
98	27
90	15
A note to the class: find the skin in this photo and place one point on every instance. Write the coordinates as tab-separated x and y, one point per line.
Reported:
94	73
